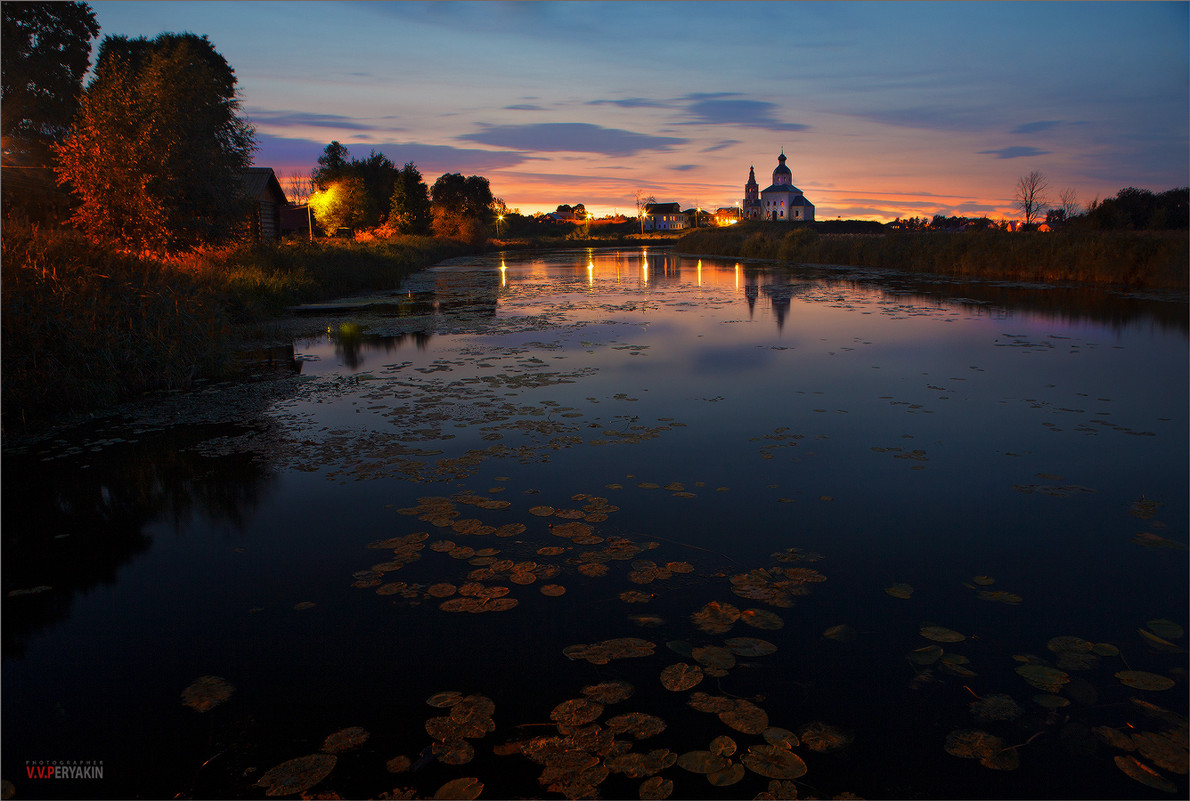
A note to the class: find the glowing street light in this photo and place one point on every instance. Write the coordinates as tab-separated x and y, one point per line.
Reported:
499	219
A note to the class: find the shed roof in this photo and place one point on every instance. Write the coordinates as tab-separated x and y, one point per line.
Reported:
259	181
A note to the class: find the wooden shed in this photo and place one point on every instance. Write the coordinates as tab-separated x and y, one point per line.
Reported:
262	186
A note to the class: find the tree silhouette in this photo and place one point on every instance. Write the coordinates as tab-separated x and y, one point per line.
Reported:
45	50
1030	195
157	149
409	205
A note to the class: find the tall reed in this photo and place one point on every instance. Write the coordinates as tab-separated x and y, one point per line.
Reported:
1139	260
85	327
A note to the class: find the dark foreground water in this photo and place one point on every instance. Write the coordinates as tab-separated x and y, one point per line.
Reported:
624	524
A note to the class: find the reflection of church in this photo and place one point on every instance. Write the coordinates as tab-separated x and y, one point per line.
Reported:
780	201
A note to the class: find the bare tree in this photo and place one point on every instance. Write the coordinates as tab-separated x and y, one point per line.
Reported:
298	188
1069	202
642	200
1030	195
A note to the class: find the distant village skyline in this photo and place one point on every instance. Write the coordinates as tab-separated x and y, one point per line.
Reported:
884	110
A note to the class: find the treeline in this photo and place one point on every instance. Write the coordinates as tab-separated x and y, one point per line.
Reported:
1135	209
1148	260
125	267
373	194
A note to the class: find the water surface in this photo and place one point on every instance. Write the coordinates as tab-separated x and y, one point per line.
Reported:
650	435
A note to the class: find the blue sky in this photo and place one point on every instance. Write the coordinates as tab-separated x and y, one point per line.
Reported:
884	108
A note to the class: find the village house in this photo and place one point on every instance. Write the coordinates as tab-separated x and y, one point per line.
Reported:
665	217
268	199
781	201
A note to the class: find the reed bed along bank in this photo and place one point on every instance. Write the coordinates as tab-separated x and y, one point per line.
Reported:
1151	260
85	327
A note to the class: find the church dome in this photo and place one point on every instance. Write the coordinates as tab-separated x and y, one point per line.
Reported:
782	172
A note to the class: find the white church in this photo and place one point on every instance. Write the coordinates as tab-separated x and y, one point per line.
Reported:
781	201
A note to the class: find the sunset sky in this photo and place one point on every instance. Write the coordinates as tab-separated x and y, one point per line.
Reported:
884	109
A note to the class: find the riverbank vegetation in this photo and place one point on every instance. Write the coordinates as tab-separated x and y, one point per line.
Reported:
85	326
1133	259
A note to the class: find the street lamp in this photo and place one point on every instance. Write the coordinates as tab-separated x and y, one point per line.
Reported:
499	218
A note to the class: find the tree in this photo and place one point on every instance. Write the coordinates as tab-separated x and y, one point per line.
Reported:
298	188
1030	195
470	196
462	207
642	201
379	176
409	205
341	204
332	164
158	148
45	49
1069	203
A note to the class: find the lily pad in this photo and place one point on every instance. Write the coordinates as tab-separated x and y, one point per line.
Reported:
609	692
701	762
715	617
972	744
903	591
1142	680
940	634
821	737
206	693
727	776
761	619
463	789
656	787
1142	773
576	712
639	725
784	738
345	739
723	746
840	633
1043	677
713	656
996	707
1167	629
774	762
745	717
926	655
297	775
601	653
681	676
750	646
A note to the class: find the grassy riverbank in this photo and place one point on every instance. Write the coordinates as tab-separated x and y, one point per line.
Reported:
1133	259
84	327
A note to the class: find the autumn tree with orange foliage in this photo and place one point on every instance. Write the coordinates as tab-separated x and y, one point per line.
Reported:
157	149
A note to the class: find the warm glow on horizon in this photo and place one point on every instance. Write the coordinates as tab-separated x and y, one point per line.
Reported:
941	123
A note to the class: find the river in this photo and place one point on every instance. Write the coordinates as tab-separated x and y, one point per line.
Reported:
626	523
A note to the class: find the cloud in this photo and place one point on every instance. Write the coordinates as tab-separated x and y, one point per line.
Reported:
685	167
580	137
289	119
525	107
726	143
1034	127
950	117
632	102
284	155
1014	152
726	108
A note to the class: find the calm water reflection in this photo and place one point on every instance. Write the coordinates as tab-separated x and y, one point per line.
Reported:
701	431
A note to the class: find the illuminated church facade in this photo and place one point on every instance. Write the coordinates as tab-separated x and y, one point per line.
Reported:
781	201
